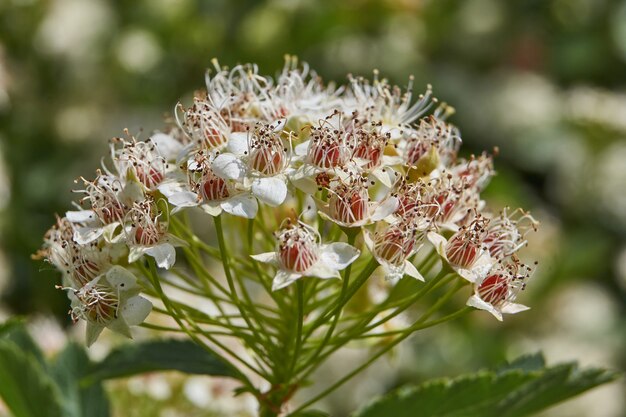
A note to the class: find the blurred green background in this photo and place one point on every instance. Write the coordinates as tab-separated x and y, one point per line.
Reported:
544	80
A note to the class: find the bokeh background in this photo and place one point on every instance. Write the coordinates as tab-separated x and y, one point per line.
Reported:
544	80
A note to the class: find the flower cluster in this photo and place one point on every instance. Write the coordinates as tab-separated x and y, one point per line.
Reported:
368	159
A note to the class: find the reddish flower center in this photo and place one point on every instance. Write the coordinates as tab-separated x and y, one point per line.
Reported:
214	188
350	206
370	153
297	253
462	251
268	161
214	138
416	150
147	236
394	246
494	289
149	177
326	154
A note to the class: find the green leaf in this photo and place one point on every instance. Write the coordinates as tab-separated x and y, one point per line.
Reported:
15	331
532	362
25	387
160	355
79	400
520	388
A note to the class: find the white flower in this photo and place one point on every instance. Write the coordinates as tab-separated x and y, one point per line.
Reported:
464	251
299	253
392	247
110	300
146	234
211	193
258	161
349	204
497	291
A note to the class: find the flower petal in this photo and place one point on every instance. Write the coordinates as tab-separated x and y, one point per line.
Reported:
168	147
303	148
120	326
266	257
320	269
476	302
136	310
238	143
439	242
92	333
228	166
183	199
212	209
121	279
81	216
135	253
283	279
412	271
242	205
385	208
512	308
85	235
271	191
338	255
164	255
386	176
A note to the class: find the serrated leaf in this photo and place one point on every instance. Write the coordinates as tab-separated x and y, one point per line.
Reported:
25	387
79	400
159	355
532	362
507	392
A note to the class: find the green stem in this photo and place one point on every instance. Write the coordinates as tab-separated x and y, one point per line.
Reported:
372	360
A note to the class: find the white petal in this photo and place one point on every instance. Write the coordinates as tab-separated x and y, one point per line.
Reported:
214	209
183	199
392	275
386	176
302	148
164	255
271	191
476	302
284	278
308	185
512	308
136	310
121	279
166	145
82	216
412	271
385	208
238	143
135	253
242	205
369	242
228	166
131	192
266	257
279	124
85	235
321	269
109	232
338	255
310	210
120	326
93	331
389	160
439	242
